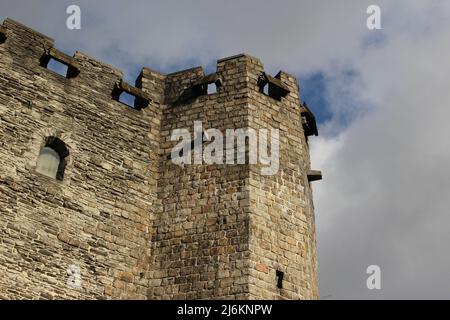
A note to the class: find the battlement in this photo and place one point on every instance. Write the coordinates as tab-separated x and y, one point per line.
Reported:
239	73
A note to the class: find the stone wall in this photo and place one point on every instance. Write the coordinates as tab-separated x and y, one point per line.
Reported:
201	245
99	217
282	228
137	225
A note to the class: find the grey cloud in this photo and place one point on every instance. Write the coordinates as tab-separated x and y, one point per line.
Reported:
384	199
297	35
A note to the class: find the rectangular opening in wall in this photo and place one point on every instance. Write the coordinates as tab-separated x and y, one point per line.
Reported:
130	96
128	99
209	84
212	88
60	63
279	279
272	86
58	67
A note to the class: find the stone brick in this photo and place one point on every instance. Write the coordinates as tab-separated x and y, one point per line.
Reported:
262	267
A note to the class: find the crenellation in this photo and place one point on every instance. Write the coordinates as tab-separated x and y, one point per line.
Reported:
142	99
27	45
238	72
21	30
179	86
153	83
135	224
96	75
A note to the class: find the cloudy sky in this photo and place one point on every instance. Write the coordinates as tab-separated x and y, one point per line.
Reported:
381	98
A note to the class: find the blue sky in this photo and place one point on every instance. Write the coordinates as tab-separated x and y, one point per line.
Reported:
380	97
314	88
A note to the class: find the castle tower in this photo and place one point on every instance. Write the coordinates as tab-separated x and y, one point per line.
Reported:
94	205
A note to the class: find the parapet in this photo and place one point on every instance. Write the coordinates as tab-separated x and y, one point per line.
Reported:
240	74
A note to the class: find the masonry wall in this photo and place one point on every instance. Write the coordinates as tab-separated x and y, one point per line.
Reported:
136	224
99	217
201	244
224	231
282	228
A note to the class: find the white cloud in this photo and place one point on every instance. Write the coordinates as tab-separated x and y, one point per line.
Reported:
295	35
383	200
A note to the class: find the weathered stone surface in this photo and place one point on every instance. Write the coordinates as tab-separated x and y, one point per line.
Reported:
136	225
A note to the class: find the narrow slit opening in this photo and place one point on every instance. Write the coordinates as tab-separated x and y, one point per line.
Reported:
279	279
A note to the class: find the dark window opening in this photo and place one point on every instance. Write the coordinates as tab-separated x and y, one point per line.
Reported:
279	278
209	84
270	91
52	158
130	96
308	121
272	86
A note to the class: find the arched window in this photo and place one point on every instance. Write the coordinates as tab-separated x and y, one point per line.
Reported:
52	158
48	162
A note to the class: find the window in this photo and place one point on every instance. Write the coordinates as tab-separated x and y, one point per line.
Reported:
58	67
272	86
279	278
60	63
209	84
127	99
212	88
52	159
130	96
48	162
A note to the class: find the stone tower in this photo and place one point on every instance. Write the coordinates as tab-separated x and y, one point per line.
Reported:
92	204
